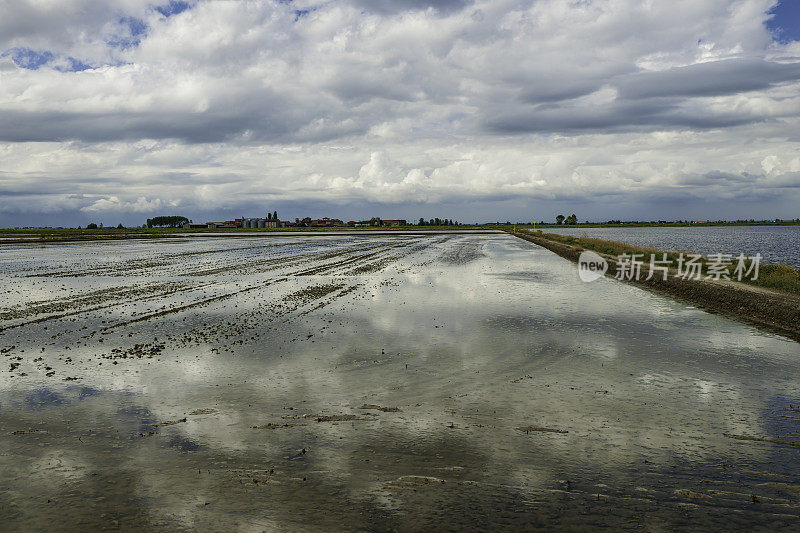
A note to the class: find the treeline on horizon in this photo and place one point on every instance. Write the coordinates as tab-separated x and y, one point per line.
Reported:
178	221
438	222
167	222
560	220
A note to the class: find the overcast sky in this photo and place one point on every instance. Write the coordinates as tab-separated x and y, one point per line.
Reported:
472	110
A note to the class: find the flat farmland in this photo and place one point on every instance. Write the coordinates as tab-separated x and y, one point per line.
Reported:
406	381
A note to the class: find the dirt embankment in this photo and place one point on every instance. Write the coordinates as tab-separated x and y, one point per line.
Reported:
776	311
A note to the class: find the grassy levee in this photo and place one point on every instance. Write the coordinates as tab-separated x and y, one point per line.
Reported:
709	224
772	303
782	277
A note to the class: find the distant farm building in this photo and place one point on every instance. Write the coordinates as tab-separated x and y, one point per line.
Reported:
273	222
318	223
220	225
375	222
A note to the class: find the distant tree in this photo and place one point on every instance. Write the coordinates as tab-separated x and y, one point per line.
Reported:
560	219
120	226
572	219
91	226
166	222
275	215
421	221
269	216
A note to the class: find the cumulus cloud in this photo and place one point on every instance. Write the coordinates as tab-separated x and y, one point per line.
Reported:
115	205
143	106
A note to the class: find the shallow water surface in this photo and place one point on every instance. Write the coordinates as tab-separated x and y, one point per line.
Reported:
405	382
776	244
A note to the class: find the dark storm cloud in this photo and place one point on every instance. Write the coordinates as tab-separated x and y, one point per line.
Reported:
715	78
790	180
716	177
610	118
24	126
649	100
49	126
559	92
646	100
246	126
364	86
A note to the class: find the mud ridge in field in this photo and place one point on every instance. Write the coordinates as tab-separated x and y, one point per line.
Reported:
465	252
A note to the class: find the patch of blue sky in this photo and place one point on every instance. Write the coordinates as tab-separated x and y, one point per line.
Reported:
298	13
73	65
785	22
136	29
137	26
28	58
174	7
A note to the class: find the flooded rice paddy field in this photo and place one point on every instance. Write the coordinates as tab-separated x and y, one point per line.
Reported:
401	382
776	244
